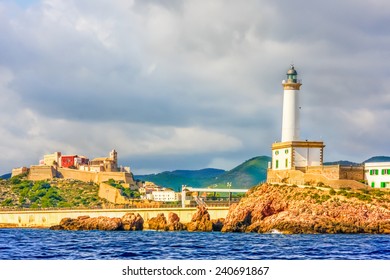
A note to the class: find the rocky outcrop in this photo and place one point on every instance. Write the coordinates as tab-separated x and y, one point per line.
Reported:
157	223
174	223
161	223
200	220
131	221
87	223
287	209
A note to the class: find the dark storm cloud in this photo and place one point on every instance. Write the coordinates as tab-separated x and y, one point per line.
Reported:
160	75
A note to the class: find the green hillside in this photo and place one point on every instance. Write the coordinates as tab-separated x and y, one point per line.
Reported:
18	192
246	175
341	162
378	159
175	179
5	176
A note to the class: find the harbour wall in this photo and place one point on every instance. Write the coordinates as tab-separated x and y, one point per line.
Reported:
47	218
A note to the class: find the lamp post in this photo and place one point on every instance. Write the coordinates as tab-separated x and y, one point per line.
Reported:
229	185
183	196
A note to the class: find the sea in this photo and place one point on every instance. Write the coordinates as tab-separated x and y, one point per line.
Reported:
45	244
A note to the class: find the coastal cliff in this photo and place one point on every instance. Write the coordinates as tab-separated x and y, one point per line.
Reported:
290	209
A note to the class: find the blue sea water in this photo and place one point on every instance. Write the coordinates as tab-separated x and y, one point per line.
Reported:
32	244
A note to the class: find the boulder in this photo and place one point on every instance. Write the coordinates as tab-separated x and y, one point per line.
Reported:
200	220
87	223
173	218
131	222
174	223
157	223
161	223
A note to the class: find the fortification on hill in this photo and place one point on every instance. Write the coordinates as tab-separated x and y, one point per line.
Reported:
79	168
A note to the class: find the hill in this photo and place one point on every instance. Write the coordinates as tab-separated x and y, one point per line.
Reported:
175	179
378	159
372	159
341	162
5	176
245	175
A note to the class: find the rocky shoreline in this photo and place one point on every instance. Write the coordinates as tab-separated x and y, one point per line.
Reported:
292	210
266	209
132	222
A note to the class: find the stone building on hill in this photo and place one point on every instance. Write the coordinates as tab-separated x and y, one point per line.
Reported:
109	164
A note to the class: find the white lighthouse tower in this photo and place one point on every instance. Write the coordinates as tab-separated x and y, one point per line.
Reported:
291	108
292	153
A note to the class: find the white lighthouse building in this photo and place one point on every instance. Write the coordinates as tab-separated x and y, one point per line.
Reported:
291	108
293	152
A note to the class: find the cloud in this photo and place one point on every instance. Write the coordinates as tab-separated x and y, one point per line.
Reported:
163	80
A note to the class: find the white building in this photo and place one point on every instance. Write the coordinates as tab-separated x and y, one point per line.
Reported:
293	152
166	195
377	174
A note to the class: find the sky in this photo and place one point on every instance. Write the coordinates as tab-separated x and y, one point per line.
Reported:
190	84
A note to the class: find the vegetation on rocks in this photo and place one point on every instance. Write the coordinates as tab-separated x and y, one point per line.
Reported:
18	192
126	192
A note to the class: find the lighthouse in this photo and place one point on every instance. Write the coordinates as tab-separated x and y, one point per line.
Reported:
293	153
291	107
299	161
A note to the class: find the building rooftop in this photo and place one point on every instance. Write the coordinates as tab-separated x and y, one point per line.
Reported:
103	159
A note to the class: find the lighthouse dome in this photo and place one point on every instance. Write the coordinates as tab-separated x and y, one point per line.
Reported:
292	71
292	75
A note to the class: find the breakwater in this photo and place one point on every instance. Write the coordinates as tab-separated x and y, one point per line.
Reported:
48	218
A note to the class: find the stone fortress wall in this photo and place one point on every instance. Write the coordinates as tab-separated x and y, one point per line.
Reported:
19	171
45	172
41	172
332	175
111	194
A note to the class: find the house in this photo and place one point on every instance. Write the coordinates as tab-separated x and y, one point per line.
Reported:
51	159
166	195
68	161
377	174
108	164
